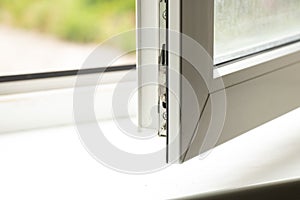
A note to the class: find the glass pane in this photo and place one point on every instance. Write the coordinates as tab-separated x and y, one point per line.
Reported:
244	27
54	35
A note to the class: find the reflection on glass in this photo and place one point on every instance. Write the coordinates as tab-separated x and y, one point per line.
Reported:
55	35
244	27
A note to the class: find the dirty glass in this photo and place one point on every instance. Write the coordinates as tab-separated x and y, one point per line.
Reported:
245	27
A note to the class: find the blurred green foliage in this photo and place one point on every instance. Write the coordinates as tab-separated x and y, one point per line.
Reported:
74	20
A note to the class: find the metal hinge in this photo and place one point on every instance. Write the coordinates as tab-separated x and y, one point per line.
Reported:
162	91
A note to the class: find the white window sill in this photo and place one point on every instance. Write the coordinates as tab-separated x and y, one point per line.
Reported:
42	103
54	162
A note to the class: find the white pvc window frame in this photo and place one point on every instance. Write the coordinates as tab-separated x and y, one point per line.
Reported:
276	71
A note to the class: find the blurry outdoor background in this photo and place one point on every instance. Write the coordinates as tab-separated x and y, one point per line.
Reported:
53	35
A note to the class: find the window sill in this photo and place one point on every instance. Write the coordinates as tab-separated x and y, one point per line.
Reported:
24	105
59	152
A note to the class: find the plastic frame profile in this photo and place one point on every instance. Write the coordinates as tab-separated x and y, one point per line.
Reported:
262	90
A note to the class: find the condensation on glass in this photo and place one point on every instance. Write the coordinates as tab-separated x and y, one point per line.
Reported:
245	27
